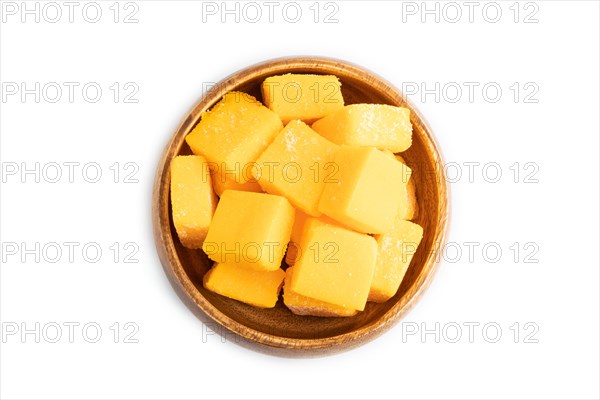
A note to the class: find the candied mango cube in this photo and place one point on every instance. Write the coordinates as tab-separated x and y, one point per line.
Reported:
302	305
234	133
296	166
395	250
408	208
335	265
250	230
377	125
412	207
257	288
367	190
303	97
193	201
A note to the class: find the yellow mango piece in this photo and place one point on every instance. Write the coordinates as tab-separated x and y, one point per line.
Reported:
297	165
395	250
222	183
303	97
407	207
302	305
412	207
250	229
234	133
193	201
257	288
335	265
367	190
377	125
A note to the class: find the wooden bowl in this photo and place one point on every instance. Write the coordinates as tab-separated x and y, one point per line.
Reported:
278	328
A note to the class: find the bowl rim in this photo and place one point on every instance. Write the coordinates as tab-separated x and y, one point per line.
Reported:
165	245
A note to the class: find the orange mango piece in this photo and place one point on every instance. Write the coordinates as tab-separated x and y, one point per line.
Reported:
257	288
250	229
335	265
395	250
302	96
302	305
295	165
367	190
378	125
193	201
233	134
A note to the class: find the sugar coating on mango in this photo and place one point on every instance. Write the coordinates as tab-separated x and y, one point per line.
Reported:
335	265
302	305
304	97
378	125
257	288
250	230
193	201
395	250
367	190
234	133
297	164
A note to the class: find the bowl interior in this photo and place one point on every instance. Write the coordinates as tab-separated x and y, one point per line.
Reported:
278	326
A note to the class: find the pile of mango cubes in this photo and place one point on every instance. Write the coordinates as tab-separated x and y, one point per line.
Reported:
302	193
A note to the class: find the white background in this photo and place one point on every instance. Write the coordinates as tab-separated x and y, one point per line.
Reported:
171	54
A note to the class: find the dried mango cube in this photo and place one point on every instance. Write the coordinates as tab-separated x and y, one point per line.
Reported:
257	288
296	166
234	133
408	207
193	201
367	190
335	265
378	125
302	305
395	250
303	97
250	229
